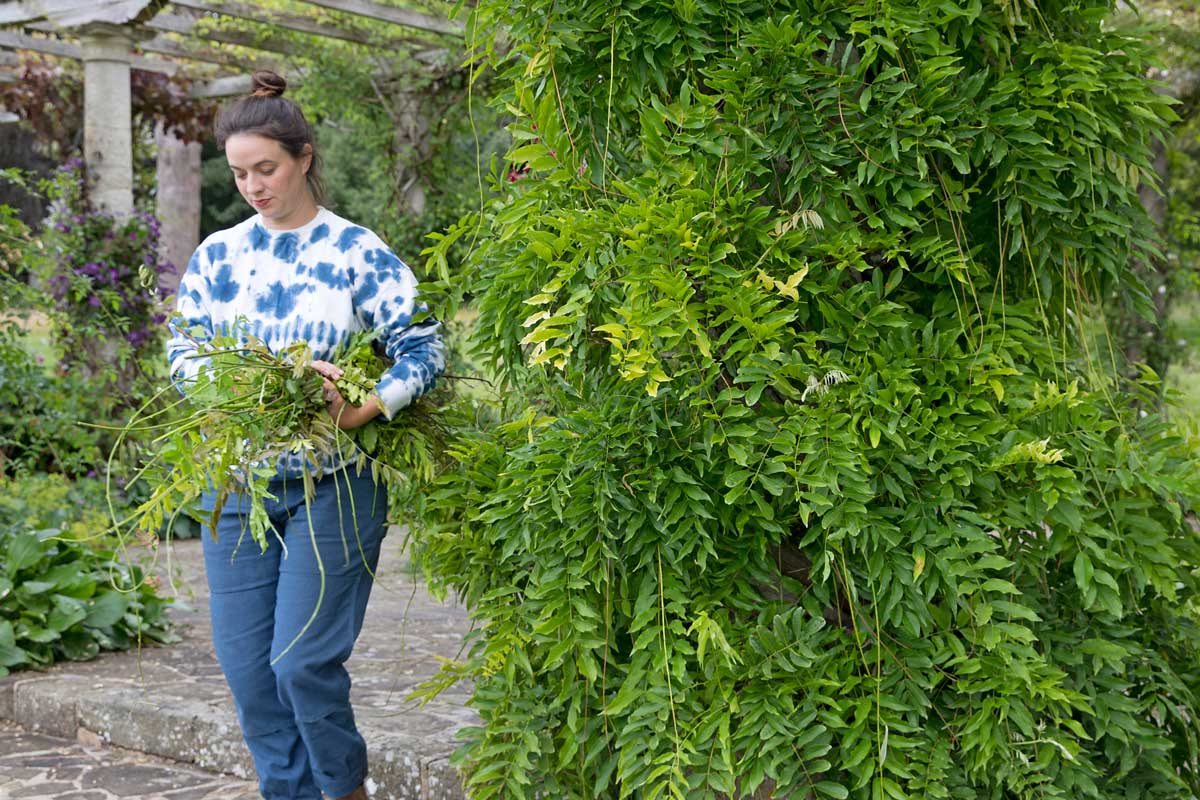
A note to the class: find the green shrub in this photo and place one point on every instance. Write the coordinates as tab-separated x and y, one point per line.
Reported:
819	491
40	501
40	415
65	600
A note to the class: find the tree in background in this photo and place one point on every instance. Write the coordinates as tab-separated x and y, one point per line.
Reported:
399	134
1173	201
813	482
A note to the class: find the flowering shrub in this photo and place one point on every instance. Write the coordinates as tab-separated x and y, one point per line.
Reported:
105	277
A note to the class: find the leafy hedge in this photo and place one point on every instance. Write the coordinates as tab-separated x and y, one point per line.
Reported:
822	488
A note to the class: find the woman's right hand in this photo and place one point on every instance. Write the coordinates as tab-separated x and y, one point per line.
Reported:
346	416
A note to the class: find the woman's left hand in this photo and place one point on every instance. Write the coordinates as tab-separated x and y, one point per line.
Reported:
347	416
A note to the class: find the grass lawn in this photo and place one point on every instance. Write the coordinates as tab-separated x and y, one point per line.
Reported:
38	340
1183	377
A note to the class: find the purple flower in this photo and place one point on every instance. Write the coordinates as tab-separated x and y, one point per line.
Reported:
94	301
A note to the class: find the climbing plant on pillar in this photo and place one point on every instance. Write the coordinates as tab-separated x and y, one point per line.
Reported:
819	489
104	278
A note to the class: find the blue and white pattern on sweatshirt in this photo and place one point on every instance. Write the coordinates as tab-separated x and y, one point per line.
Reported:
318	283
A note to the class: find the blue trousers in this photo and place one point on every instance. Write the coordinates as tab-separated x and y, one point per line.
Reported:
282	650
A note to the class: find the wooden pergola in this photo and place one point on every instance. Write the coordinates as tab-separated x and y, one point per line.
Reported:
188	38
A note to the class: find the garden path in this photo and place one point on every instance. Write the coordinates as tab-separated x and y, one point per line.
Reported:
36	766
172	702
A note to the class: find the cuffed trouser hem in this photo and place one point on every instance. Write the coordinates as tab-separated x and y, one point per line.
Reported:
282	765
343	789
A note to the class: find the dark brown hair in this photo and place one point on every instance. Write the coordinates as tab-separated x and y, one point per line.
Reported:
266	112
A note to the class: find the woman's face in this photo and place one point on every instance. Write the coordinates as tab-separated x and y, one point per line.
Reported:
271	179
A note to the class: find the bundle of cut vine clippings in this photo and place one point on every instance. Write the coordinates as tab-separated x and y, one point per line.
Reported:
249	407
409	449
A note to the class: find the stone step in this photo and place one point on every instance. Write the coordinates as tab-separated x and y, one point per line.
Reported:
172	701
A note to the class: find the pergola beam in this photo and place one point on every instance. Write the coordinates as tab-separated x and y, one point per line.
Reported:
161	44
186	24
218	87
392	14
222	87
292	22
170	47
57	47
70	13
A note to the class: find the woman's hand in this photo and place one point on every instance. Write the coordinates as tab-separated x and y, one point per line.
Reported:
347	417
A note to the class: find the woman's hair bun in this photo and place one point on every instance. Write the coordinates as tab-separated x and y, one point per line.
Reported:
265	83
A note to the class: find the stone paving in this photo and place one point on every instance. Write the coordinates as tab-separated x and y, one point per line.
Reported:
33	765
171	702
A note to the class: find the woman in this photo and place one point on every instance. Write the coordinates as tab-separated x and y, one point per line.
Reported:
296	271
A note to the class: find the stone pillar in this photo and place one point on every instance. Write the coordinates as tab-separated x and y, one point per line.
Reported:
107	126
178	202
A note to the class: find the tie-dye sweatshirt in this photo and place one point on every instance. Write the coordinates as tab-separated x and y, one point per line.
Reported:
318	283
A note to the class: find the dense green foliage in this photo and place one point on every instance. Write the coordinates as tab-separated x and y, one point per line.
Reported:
819	489
1171	271
37	411
62	599
73	508
103	272
39	414
64	594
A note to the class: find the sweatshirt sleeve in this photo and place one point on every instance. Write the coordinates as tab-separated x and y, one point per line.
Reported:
192	324
385	300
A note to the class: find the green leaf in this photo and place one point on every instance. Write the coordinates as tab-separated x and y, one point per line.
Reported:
11	655
67	612
77	646
831	789
23	551
106	610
